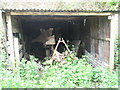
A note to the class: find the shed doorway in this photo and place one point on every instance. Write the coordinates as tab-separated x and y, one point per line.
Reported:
85	33
68	28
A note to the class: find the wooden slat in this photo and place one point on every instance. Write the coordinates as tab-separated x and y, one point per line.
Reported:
96	62
16	47
63	13
113	31
10	38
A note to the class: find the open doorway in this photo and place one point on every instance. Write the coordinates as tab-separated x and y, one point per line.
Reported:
86	33
69	28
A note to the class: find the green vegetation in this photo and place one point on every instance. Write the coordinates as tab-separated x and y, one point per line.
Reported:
117	53
78	73
75	73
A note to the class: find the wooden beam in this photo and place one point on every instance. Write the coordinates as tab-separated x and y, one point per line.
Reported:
11	43
63	13
113	32
43	18
16	47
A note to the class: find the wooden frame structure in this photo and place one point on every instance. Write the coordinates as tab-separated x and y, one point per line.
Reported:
12	41
63	13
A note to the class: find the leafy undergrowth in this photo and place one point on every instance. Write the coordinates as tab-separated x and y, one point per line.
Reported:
74	74
117	53
78	74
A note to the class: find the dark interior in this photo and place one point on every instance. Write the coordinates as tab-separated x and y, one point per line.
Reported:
71	28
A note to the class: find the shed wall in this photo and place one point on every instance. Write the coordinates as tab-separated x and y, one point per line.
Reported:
97	37
17	38
99	40
113	36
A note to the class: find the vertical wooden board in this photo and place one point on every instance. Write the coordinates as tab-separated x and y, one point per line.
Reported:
22	44
101	50
102	28
113	33
100	47
15	24
16	47
92	47
107	29
107	51
91	29
15	27
20	47
95	27
104	48
5	29
10	40
104	33
96	44
2	31
100	31
87	36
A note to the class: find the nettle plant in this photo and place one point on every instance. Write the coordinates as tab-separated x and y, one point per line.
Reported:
74	74
78	73
24	76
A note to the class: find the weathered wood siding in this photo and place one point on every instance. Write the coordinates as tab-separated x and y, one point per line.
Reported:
99	38
104	39
18	38
4	32
1	32
113	36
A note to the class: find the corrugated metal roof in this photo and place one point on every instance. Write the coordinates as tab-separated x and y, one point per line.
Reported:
56	10
55	7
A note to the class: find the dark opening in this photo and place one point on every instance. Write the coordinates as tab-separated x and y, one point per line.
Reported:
71	28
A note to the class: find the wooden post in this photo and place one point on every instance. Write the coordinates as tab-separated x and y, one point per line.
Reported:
63	13
1	25
10	40
113	35
16	47
1	33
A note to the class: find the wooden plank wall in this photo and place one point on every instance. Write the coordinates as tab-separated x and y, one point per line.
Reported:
18	46
100	39
104	39
10	41
113	36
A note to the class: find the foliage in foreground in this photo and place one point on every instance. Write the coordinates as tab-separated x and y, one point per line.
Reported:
24	76
76	73
117	53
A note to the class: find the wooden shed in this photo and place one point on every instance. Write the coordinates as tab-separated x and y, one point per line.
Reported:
97	29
